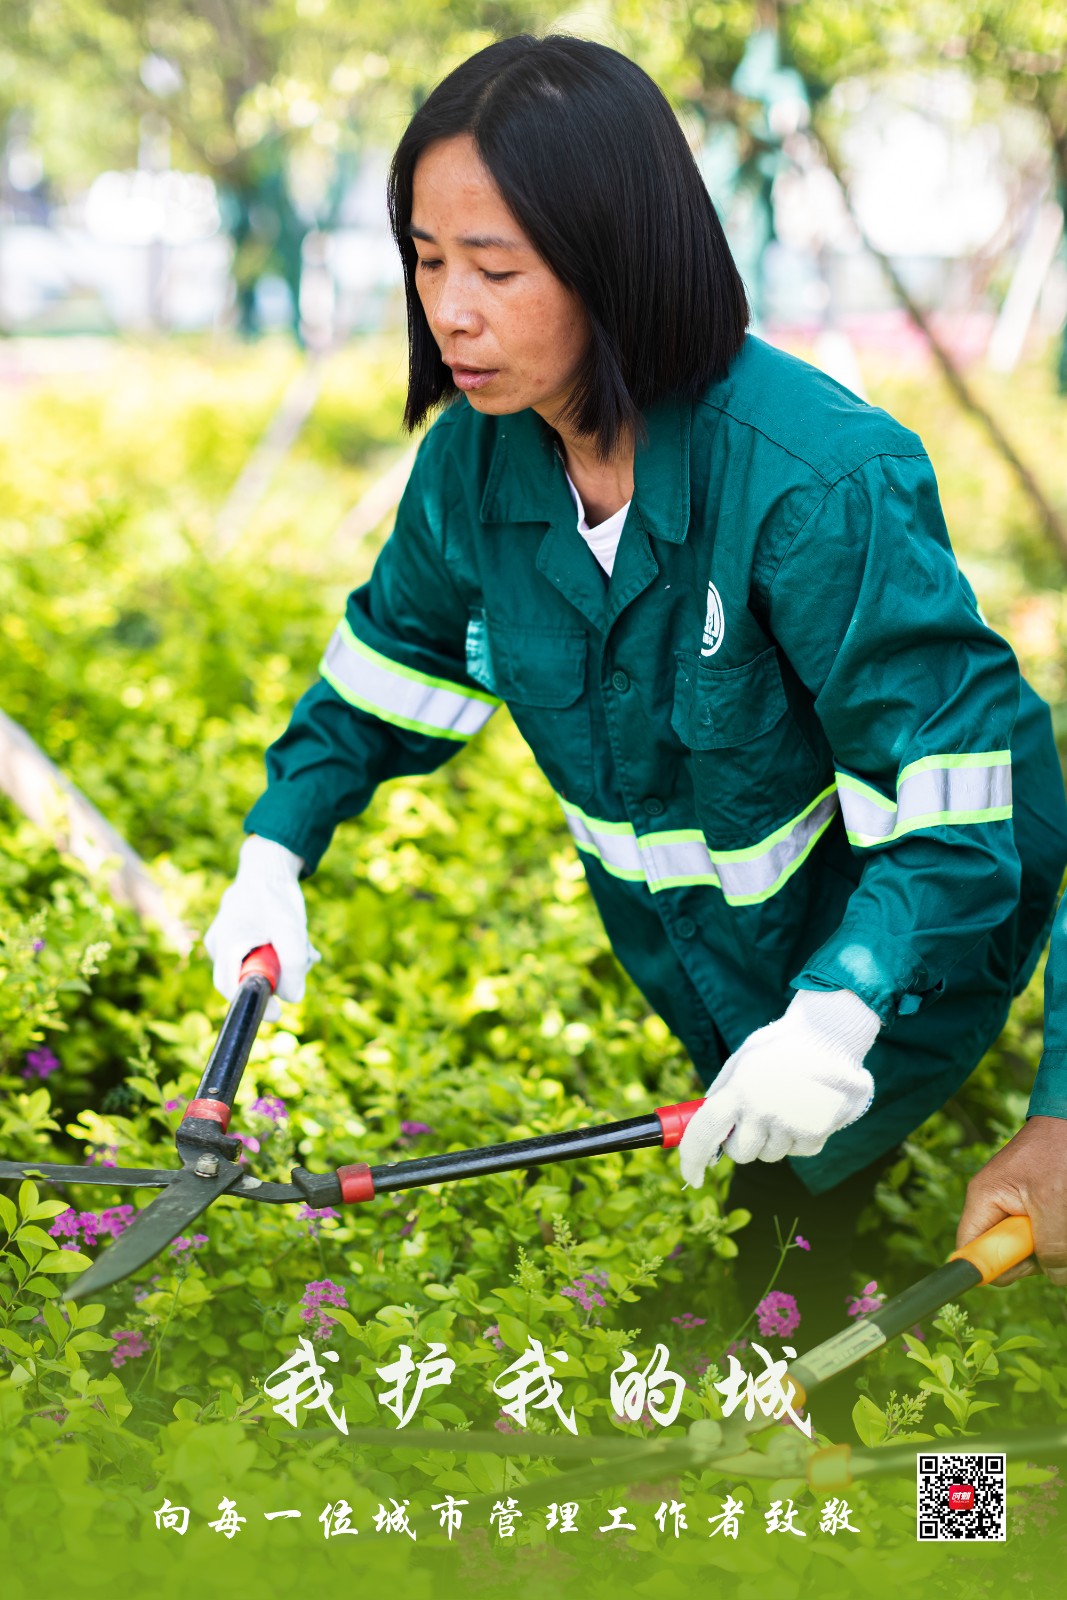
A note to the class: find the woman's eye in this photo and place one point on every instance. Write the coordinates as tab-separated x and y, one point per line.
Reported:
426	265
498	277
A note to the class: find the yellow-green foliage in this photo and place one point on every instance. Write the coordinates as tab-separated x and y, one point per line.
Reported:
466	985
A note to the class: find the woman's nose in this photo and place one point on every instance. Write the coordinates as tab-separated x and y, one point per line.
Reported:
451	307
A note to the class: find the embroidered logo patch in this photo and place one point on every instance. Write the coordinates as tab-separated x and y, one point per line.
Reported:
714	623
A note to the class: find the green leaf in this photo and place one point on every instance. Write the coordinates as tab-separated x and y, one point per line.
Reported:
346	1319
56	1323
43	1286
870	1423
146	1087
942	1365
15	1343
514	1333
29	1198
66	1261
37	1236
90	1341
8	1214
1021	1341
49	1208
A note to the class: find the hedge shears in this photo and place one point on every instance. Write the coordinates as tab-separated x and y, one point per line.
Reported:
209	1169
208	1153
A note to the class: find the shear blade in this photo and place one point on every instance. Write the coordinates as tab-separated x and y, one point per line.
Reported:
99	1177
154	1228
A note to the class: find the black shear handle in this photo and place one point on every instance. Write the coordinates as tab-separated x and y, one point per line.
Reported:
258	980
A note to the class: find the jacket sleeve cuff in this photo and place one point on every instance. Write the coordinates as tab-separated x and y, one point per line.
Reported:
891	979
1049	1096
275	817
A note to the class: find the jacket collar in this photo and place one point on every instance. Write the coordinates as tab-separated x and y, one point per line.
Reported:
526	482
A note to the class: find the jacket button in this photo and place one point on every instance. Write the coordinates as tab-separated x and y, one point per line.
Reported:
653	806
621	681
685	927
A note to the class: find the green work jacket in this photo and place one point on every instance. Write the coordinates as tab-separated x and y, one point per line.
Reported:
784	740
1050	1088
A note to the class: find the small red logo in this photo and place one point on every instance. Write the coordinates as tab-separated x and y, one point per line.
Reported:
961	1497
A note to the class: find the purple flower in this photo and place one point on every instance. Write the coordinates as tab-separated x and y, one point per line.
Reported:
172	1105
735	1346
493	1332
322	1292
413	1130
132	1344
313	1217
180	1245
145	1291
269	1106
40	1064
687	1320
586	1289
504	1424
777	1314
802	1242
66	1225
106	1158
248	1141
675	1252
869	1300
115	1220
71	1224
38	946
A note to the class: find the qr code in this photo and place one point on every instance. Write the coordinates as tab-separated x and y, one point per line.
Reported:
960	1497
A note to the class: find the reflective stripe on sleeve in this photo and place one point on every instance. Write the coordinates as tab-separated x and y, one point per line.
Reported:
938	791
680	858
400	695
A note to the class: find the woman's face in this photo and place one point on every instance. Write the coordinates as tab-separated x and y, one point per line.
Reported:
511	332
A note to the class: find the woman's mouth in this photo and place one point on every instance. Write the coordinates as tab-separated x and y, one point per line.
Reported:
473	377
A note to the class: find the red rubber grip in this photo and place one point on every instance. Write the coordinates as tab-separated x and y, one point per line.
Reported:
214	1110
675	1119
262	963
356	1183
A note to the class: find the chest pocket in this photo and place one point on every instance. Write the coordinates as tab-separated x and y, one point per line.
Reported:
751	766
540	675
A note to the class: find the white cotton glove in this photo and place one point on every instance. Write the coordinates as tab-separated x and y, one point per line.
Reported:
263	905
789	1087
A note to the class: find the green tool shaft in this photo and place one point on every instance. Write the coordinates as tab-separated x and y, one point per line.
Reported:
870	1332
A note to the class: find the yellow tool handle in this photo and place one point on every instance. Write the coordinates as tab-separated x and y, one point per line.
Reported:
1000	1247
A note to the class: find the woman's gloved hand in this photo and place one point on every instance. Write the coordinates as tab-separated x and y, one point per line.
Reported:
789	1087
263	905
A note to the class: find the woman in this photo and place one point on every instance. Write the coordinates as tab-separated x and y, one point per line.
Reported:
716	592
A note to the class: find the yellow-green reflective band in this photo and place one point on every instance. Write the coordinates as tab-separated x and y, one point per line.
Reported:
400	695
935	792
682	857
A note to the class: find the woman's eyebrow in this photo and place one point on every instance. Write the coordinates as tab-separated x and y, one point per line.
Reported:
474	241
